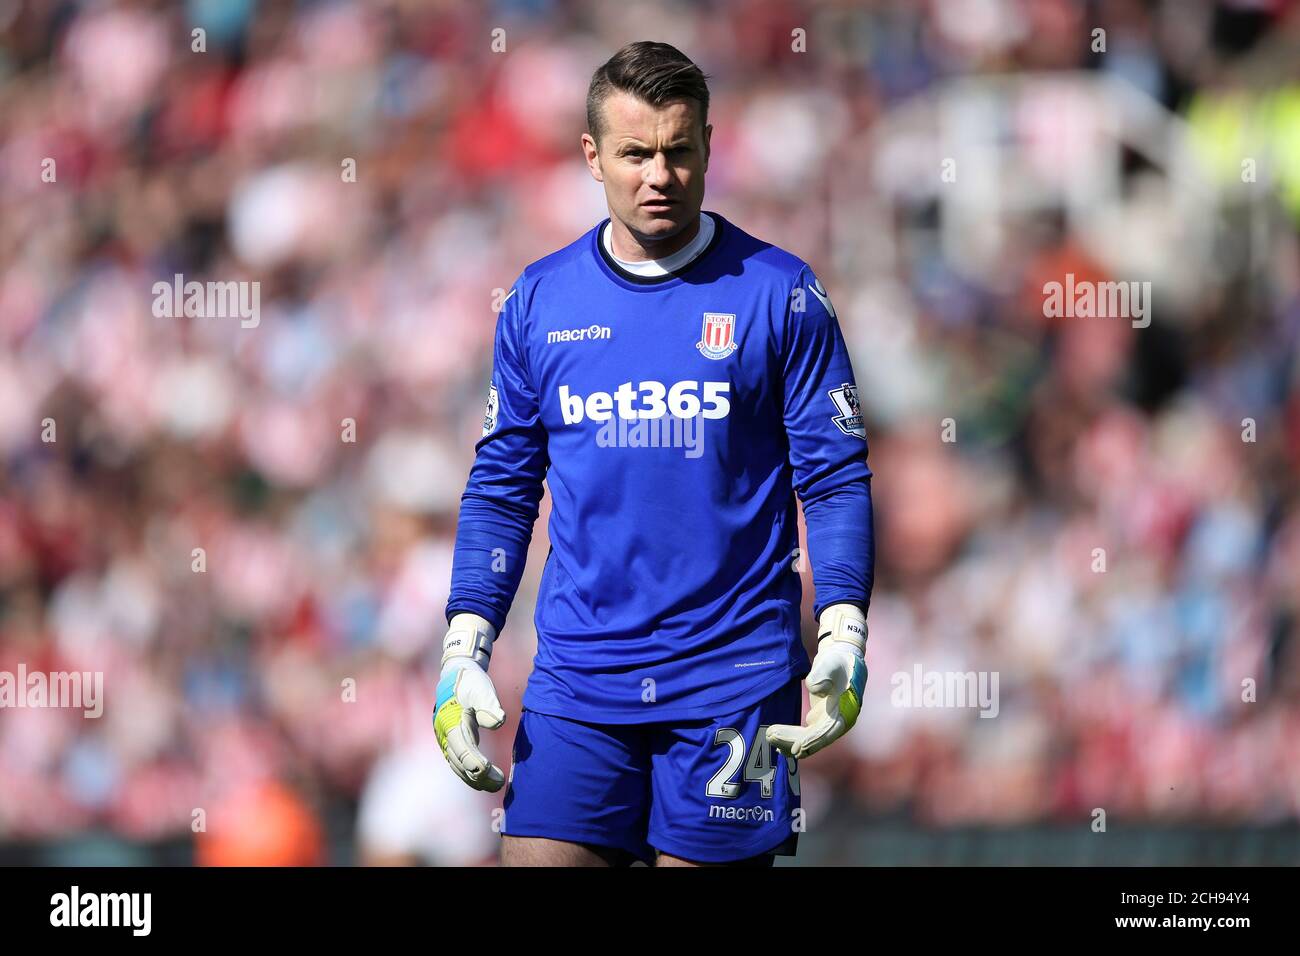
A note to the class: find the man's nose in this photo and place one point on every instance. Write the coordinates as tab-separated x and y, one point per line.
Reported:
657	173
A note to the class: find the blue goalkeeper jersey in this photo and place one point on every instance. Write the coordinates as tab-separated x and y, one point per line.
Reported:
673	419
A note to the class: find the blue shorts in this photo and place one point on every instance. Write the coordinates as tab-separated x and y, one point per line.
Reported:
710	791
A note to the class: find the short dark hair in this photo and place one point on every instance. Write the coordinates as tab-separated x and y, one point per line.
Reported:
650	71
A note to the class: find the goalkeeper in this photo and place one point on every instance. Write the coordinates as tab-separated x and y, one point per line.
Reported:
675	382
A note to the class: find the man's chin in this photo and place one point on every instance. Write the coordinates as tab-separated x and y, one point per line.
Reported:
662	225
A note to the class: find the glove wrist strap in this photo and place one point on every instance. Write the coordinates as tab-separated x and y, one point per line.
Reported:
844	624
470	636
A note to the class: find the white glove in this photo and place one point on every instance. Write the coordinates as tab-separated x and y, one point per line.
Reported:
466	699
835	684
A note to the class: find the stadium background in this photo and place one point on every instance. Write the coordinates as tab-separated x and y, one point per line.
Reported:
937	163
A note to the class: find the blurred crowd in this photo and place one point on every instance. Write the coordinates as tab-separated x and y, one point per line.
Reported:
249	530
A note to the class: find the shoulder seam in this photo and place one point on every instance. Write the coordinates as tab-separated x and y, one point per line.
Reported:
519	333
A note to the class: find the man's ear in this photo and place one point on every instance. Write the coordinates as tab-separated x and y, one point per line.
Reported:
708	135
591	153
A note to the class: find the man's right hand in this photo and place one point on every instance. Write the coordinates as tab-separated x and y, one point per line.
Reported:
467	700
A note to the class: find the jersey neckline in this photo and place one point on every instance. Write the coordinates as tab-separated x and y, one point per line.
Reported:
640	283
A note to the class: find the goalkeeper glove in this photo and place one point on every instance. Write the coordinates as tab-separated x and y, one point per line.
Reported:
466	699
835	684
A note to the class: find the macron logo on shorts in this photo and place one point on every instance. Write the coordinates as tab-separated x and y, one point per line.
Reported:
742	814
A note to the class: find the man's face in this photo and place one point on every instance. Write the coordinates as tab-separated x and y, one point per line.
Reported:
652	162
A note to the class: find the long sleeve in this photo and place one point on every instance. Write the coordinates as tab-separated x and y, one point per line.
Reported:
500	503
828	448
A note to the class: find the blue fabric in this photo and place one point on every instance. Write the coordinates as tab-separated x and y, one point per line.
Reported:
673	446
643	787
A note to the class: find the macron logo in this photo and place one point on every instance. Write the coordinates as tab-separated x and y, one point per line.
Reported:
590	333
822	297
742	814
